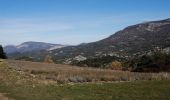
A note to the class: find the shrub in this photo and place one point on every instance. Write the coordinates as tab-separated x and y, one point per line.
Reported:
116	65
48	59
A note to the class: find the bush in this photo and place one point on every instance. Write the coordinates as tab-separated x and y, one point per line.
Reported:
116	65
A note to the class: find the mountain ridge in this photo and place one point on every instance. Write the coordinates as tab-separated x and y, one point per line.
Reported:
130	41
31	46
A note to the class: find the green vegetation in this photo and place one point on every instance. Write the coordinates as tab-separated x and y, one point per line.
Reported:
154	62
2	54
144	90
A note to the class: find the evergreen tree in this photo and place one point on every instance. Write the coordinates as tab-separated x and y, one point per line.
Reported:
2	54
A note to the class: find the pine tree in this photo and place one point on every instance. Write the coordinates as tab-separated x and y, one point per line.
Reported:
2	54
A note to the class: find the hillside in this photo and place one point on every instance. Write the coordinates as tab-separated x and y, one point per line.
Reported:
130	41
133	40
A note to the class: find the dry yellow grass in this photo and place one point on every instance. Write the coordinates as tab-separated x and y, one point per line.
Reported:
66	73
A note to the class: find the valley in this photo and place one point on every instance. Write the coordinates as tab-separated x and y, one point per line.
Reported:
84	50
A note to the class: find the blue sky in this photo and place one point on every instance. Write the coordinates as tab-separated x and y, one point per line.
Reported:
73	21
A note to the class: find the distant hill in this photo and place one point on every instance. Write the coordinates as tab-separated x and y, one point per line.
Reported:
133	40
31	47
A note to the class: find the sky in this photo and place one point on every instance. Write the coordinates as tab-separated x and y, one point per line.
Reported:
73	21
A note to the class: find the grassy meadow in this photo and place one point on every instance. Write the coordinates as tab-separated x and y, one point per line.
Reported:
32	84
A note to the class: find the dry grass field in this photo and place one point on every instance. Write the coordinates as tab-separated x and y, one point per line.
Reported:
73	74
22	80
